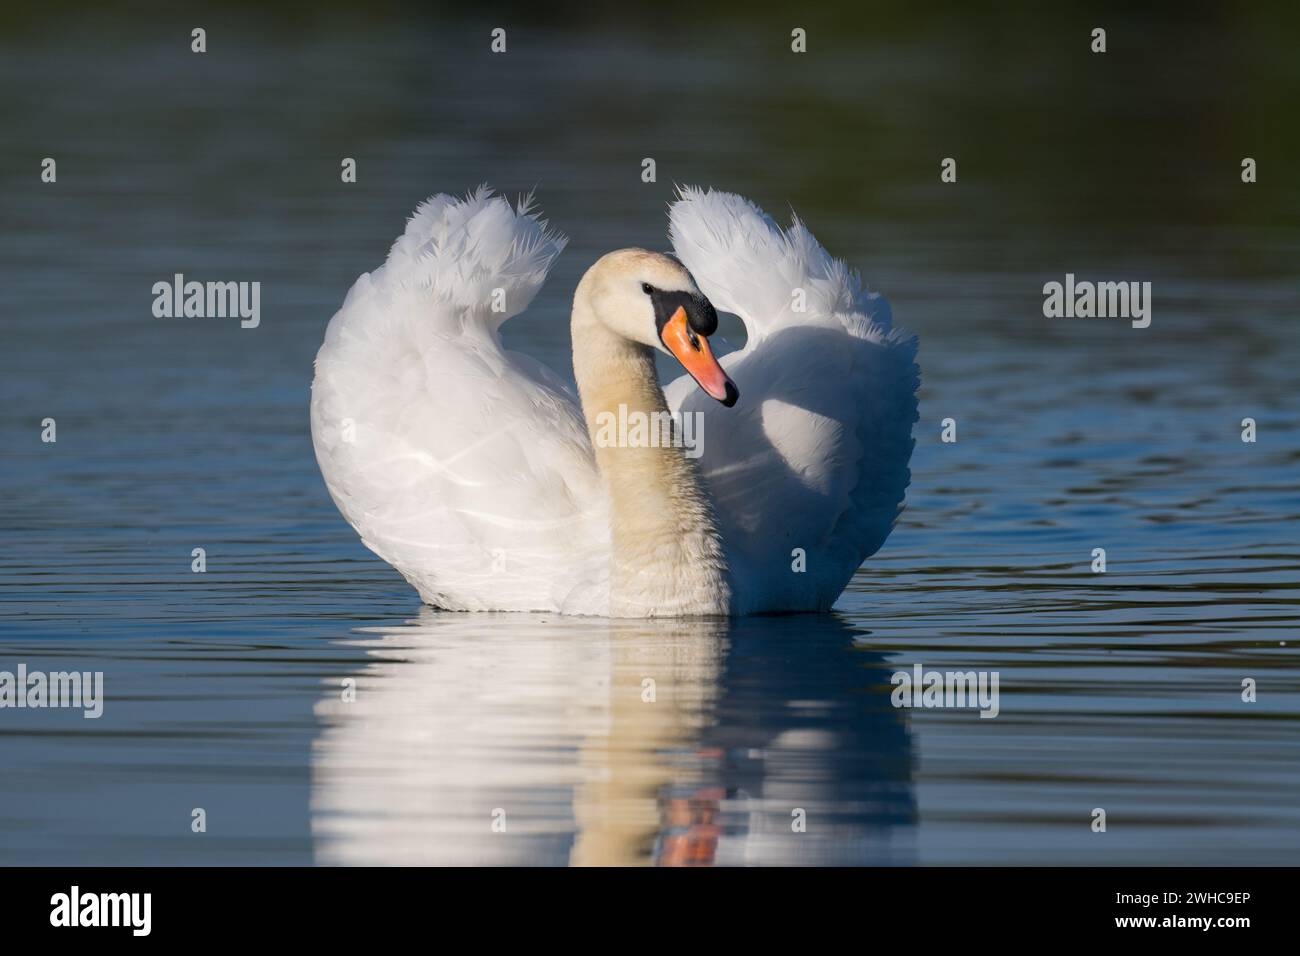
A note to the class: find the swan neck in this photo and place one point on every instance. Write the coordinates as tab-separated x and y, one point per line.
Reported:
666	552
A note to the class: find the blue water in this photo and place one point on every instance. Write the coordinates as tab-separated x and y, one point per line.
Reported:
525	738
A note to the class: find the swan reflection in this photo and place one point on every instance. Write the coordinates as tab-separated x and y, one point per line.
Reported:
534	739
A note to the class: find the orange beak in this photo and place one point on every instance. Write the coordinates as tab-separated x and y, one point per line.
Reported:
692	350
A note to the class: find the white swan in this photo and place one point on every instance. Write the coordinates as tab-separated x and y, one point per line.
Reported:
477	475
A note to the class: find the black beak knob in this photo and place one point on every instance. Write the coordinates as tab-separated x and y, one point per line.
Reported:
701	316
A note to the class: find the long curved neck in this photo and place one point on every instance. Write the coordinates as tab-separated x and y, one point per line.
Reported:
667	556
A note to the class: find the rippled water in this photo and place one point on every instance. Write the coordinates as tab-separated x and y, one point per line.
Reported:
225	690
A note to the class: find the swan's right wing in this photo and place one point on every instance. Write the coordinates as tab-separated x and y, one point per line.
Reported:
465	466
808	471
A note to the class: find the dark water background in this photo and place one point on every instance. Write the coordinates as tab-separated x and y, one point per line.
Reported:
1119	690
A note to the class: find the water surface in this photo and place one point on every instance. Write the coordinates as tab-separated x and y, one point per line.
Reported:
225	690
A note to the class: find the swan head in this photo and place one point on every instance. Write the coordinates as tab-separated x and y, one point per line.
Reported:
650	298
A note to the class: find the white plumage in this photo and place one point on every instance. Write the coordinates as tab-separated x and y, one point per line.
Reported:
470	468
815	457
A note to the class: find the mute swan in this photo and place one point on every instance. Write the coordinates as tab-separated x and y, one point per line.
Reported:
476	474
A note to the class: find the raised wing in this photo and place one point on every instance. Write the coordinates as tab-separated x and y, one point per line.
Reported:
808	471
465	466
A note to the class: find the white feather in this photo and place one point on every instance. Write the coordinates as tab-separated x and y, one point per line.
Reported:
809	469
470	470
465	466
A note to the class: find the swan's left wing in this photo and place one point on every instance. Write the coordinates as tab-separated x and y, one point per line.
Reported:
808	471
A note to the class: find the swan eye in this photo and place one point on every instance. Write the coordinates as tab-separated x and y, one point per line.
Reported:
647	288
